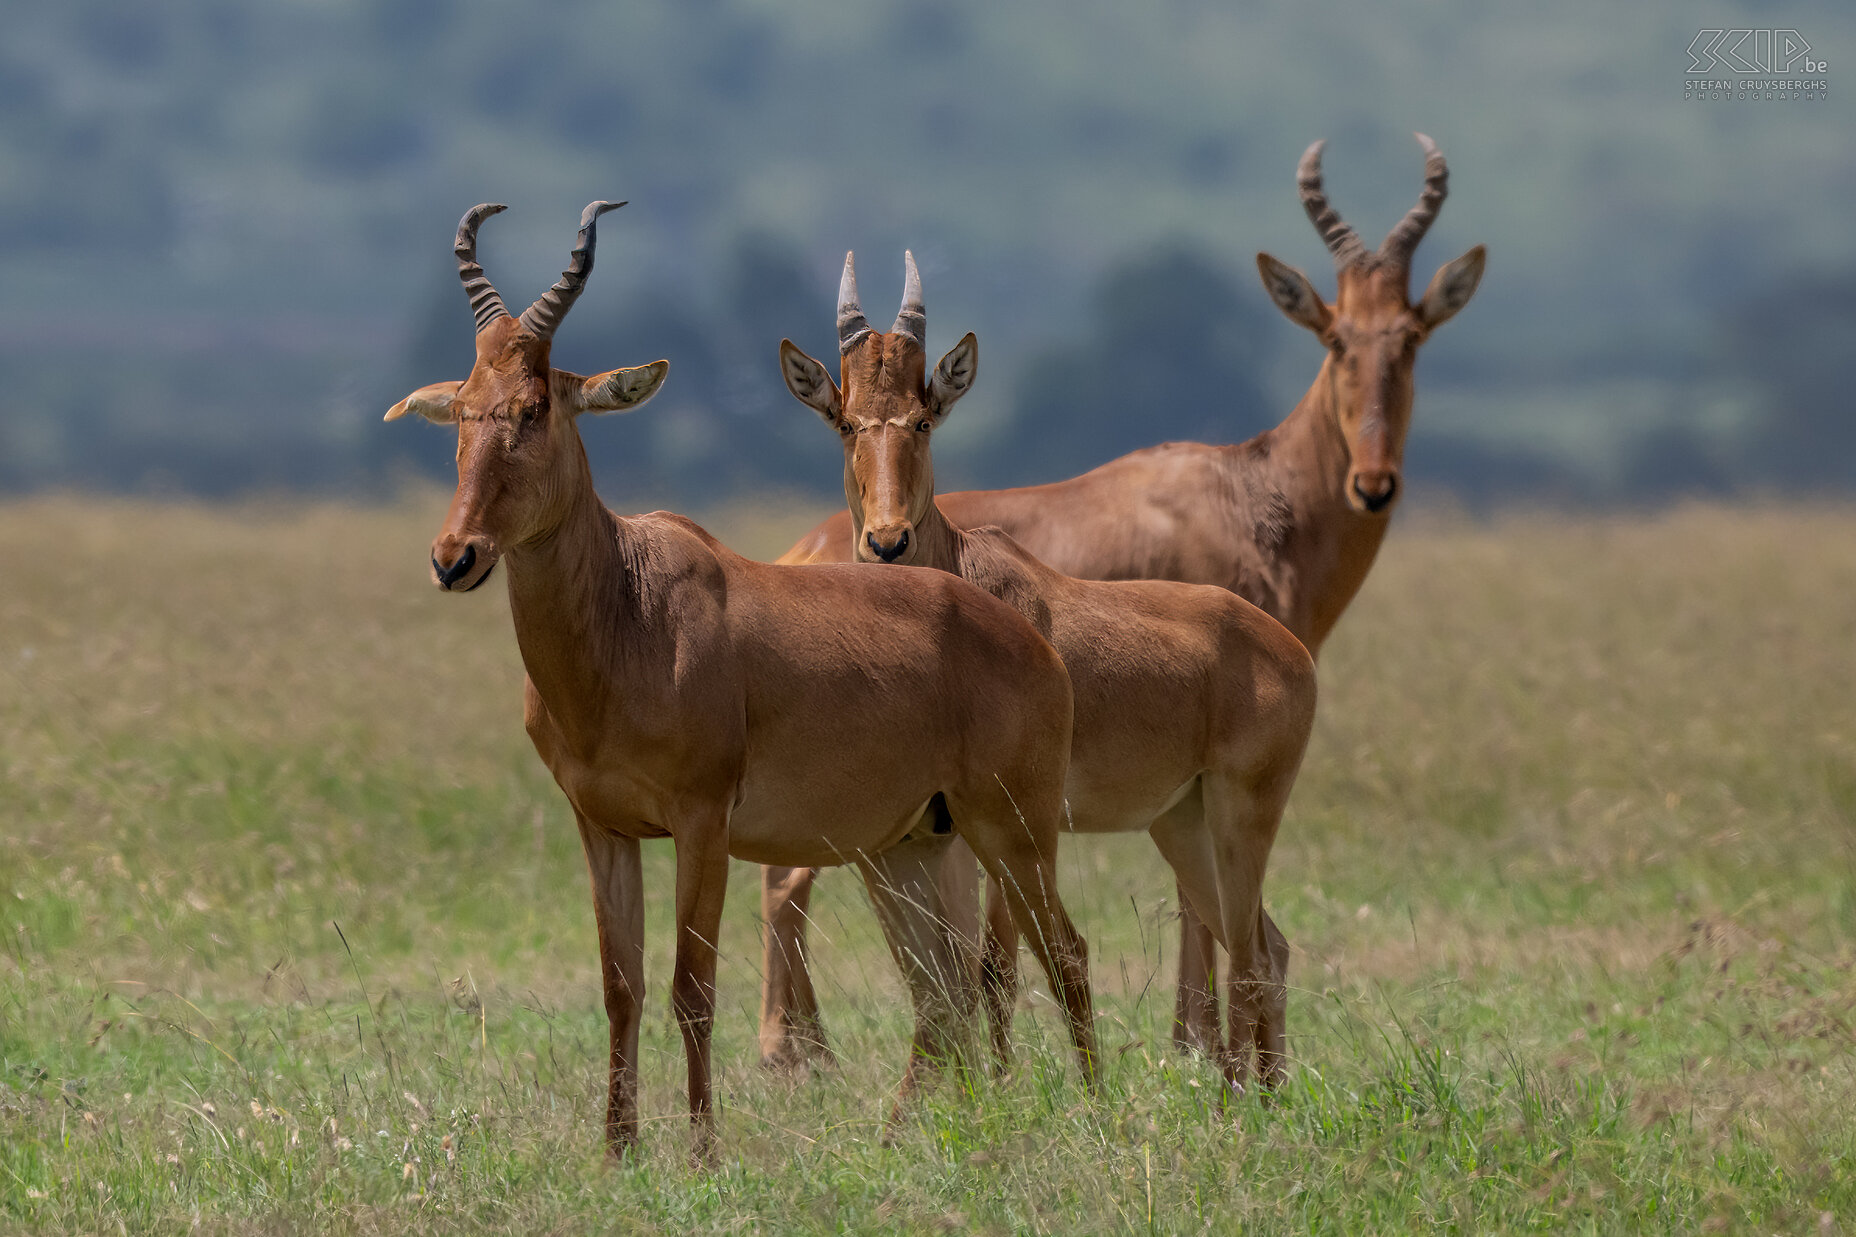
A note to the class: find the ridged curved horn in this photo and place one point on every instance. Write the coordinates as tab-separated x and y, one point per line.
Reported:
1404	238
484	301
544	316
852	325
912	318
1340	239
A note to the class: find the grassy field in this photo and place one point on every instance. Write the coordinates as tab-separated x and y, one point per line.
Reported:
294	929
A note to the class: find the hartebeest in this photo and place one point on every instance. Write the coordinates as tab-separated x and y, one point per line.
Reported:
1193	707
811	715
1290	520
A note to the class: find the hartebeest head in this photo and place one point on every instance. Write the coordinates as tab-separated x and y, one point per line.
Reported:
1372	330
519	455
884	412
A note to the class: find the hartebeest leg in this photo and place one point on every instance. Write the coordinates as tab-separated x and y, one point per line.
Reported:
1257	1002
1022	859
618	908
957	880
1241	815
1185	842
1180	835
702	885
1195	1008
999	975
1272	1034
905	890
790	1030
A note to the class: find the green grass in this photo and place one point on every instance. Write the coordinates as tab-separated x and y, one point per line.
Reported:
1570	875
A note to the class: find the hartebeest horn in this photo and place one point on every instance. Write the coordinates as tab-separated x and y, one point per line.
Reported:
545	315
1404	238
852	325
484	302
912	318
1341	240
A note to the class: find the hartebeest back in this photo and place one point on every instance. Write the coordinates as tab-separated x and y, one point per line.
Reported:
676	690
1193	707
1290	520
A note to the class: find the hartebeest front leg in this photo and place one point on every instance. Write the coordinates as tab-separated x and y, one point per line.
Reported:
957	880
790	1030
618	908
905	889
1030	892
702	886
1021	859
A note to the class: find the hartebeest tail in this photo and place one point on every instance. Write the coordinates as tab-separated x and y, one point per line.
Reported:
1290	520
676	690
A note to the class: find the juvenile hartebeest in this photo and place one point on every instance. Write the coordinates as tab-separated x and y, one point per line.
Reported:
1290	520
677	690
1193	707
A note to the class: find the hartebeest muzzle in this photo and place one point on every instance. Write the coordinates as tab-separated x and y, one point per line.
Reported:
1373	491
460	564
888	544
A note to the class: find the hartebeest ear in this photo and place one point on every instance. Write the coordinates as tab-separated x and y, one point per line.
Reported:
809	382
434	403
616	390
1293	294
953	377
1451	287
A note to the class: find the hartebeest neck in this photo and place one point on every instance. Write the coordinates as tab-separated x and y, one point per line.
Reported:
571	596
1305	460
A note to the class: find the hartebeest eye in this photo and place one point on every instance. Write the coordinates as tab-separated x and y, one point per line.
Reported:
924	426
845	428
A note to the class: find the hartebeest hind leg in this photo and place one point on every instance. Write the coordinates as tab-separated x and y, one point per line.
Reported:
1241	815
1195	1008
790	1030
1258	1001
999	973
1179	835
1219	854
618	909
1195	1017
1272	1031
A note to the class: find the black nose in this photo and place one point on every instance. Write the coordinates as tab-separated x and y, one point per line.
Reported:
1379	501
447	576
888	554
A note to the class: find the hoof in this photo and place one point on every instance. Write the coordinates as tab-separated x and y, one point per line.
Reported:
785	1061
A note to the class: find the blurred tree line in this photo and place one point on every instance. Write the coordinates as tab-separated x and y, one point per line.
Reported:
1189	337
223	227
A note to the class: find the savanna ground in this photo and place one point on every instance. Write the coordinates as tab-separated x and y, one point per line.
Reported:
1570	875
